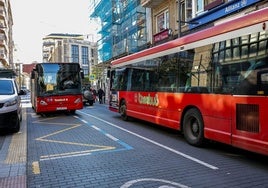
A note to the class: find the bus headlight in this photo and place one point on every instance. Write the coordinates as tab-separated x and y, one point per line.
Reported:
78	100
42	102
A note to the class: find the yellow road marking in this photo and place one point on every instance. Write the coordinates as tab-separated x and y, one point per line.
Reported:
45	139
35	167
75	153
44	120
57	132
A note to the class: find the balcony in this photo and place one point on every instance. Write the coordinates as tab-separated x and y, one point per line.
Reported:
3	42
48	43
2	55
150	3
2	2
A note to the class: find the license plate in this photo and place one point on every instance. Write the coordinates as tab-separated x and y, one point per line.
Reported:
61	108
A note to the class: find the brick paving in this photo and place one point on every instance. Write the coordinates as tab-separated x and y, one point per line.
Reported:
64	151
85	152
13	158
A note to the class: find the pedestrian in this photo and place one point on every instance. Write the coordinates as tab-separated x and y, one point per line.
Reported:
95	94
100	94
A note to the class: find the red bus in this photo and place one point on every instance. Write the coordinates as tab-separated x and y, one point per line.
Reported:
212	84
56	87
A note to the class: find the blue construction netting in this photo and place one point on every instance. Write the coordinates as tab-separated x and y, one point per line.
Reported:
123	28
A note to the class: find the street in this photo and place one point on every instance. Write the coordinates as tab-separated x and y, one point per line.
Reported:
95	148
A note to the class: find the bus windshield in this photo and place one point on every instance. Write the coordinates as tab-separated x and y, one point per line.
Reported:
58	79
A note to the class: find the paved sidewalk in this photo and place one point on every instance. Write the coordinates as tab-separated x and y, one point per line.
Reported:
13	158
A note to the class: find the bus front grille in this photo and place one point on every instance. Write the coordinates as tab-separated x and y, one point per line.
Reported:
247	117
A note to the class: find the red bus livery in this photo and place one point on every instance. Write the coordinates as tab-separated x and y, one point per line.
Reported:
212	84
56	87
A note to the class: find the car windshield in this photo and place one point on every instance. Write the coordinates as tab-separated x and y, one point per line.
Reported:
6	87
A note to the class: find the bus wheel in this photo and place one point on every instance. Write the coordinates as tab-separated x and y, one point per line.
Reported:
193	127
72	111
123	111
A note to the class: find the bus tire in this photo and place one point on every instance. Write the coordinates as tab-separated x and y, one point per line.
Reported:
72	112
123	111
193	127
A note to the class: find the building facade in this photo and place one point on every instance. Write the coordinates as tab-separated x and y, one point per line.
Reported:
130	26
175	18
123	27
70	48
6	35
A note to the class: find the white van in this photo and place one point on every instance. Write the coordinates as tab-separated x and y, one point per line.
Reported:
10	105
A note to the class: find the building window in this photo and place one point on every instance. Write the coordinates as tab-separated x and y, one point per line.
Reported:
92	52
85	71
84	55
75	54
199	6
186	11
162	21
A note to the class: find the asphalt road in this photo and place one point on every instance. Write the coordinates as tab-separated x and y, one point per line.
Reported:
95	148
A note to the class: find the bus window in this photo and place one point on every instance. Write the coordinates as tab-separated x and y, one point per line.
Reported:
248	83
198	79
41	86
119	80
262	80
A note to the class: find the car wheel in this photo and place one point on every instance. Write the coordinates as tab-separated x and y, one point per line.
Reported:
20	116
17	127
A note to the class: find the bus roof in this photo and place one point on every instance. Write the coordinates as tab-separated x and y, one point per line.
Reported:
253	18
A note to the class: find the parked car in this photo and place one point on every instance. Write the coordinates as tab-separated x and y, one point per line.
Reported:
10	105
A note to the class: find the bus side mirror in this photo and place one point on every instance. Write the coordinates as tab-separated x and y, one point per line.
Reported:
82	75
108	73
32	73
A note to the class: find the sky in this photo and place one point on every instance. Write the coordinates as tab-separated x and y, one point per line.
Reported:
35	19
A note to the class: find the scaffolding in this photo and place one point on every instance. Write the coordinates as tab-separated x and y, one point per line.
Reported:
123	27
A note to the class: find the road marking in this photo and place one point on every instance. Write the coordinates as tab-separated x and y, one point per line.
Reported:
17	148
155	143
112	137
84	121
35	167
94	147
125	145
74	154
97	128
170	184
